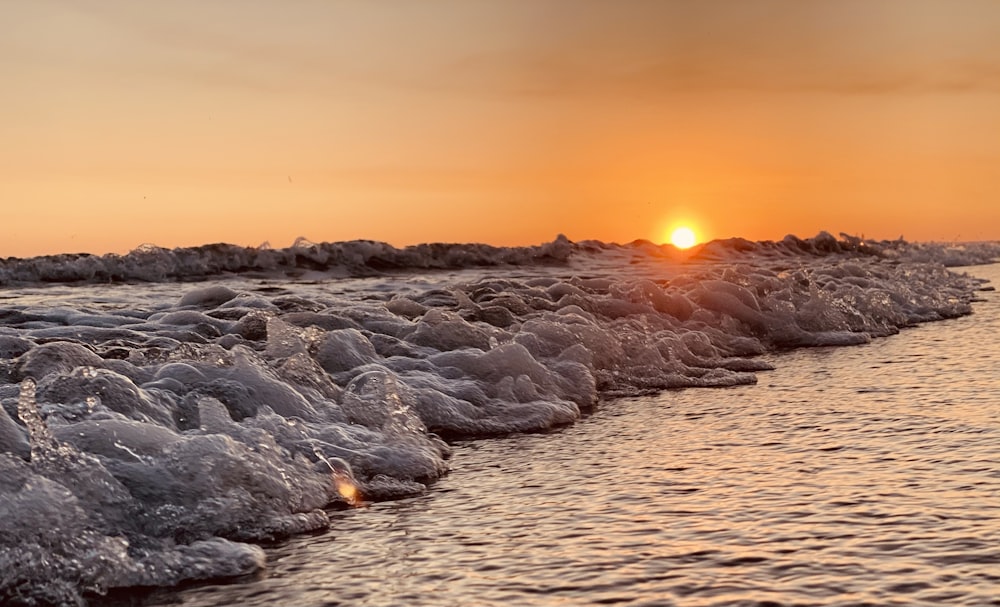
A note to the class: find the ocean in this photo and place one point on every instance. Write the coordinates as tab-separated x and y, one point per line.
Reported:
351	424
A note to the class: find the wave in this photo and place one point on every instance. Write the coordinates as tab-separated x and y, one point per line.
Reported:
150	263
147	439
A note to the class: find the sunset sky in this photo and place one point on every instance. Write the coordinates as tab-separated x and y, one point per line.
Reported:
503	121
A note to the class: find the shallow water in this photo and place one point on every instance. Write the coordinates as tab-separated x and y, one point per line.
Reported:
848	476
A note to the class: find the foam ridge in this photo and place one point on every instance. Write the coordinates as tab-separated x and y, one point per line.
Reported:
159	433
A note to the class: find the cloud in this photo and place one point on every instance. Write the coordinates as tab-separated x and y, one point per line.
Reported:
649	49
545	48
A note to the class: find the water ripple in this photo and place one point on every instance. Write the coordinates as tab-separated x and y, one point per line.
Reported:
858	476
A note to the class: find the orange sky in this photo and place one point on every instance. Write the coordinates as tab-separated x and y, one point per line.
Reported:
505	121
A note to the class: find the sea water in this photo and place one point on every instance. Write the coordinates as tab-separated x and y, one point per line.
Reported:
847	476
155	432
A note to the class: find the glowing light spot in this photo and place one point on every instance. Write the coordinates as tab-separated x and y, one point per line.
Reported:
347	489
683	238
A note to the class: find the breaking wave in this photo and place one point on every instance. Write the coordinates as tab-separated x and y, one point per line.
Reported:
150	263
151	435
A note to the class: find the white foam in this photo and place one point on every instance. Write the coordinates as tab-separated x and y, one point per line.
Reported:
169	429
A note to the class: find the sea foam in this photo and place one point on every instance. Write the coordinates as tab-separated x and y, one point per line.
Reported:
155	433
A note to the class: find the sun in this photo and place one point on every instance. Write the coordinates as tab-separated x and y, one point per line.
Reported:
683	238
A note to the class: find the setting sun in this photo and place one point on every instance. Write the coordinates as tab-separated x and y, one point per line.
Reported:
683	238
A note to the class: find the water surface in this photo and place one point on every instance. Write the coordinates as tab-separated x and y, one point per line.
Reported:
866	475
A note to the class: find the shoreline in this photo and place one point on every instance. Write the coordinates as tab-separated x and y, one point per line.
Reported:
217	419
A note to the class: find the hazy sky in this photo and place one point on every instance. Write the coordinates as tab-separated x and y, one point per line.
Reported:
506	121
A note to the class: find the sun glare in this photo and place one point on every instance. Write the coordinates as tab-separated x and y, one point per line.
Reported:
683	238
347	489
